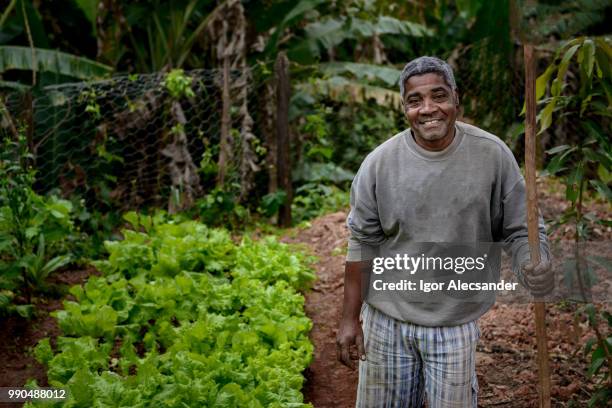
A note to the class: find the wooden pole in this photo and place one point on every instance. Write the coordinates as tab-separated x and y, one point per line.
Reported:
283	159
532	219
29	120
224	145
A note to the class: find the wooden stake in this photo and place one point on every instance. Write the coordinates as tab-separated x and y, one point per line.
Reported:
225	150
283	163
29	120
532	219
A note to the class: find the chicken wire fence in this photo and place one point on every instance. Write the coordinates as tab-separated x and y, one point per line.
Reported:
142	140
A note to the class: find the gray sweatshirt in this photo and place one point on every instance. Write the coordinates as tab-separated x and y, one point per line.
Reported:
404	195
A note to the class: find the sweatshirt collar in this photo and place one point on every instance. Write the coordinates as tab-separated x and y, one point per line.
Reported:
437	155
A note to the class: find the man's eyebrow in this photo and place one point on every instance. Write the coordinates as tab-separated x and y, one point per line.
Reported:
436	89
440	88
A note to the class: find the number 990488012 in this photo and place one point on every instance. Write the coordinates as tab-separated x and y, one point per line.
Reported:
15	394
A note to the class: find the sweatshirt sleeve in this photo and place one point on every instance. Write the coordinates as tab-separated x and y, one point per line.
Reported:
363	221
515	229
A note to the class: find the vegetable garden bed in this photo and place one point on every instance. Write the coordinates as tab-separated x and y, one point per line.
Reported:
183	316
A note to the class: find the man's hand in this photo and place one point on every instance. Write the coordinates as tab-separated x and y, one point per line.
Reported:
539	279
349	335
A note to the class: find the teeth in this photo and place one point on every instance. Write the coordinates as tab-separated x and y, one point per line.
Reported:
432	121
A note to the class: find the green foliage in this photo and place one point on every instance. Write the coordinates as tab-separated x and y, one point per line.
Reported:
183	316
178	84
349	52
13	22
316	131
584	165
322	172
164	34
563	19
584	168
271	203
337	33
93	227
90	98
340	135
600	350
372	73
208	165
329	32
346	91
89	8
336	137
594	98
36	233
313	200
287	18
221	208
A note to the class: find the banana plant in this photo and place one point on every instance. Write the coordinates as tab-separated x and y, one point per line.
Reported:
36	59
312	31
163	34
22	19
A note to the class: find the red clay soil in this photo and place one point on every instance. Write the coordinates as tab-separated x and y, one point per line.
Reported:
506	356
328	383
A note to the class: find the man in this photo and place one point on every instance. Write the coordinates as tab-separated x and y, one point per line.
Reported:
440	181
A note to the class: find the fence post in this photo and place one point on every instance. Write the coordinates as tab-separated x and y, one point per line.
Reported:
270	130
283	159
224	144
29	119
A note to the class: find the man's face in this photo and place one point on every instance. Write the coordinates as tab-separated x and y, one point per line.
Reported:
431	109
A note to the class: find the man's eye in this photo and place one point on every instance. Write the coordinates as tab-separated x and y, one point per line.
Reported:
440	97
413	102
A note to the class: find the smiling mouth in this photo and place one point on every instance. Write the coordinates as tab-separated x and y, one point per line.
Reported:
430	122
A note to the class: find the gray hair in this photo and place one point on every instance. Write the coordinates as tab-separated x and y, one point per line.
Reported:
426	65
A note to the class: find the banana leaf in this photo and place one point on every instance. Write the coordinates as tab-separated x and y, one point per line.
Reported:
388	75
342	89
16	57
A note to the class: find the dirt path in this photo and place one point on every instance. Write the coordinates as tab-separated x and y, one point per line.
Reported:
506	367
328	383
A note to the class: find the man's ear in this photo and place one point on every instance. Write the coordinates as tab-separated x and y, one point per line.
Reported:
456	94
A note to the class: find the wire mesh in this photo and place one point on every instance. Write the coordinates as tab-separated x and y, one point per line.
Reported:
115	142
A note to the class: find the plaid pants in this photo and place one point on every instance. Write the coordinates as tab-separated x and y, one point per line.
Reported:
405	362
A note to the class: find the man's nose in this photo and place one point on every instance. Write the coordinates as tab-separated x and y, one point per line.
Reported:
428	106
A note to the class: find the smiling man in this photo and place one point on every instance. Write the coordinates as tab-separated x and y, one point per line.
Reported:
440	181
